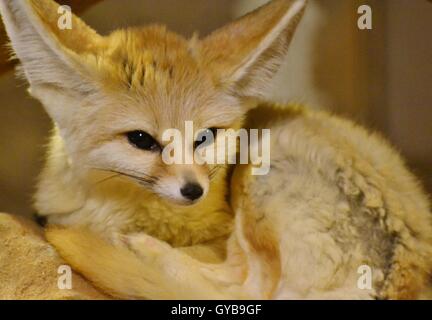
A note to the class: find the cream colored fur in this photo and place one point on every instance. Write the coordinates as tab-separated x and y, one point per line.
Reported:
337	197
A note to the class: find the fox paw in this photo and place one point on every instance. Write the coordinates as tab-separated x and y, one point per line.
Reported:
144	246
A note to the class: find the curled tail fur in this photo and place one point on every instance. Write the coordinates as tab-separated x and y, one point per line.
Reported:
122	274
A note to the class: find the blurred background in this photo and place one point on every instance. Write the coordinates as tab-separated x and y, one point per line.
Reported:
381	78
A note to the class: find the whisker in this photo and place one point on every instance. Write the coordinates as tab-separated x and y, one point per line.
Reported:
141	174
146	180
115	175
106	179
215	170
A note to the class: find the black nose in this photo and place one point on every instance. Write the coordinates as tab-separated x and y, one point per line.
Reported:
192	191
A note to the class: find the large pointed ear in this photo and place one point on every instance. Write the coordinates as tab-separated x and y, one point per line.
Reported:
50	53
246	54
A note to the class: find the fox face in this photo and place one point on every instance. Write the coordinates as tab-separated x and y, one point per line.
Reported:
149	81
113	97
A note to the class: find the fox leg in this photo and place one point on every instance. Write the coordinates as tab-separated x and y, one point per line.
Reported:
148	269
248	272
138	266
227	276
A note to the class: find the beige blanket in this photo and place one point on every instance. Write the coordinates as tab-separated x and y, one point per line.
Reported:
29	266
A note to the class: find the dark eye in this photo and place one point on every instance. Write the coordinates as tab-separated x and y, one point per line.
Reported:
205	137
142	140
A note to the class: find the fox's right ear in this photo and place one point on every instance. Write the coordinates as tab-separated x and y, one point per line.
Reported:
246	54
51	56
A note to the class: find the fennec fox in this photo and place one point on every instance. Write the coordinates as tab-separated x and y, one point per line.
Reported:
337	200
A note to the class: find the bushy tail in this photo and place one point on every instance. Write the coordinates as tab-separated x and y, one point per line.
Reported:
120	273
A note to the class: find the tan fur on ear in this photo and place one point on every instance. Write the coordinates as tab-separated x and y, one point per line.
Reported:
81	39
246	54
49	54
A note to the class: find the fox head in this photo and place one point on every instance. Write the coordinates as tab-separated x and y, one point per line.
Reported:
112	97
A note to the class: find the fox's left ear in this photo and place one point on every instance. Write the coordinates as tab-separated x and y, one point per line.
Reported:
247	53
51	52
